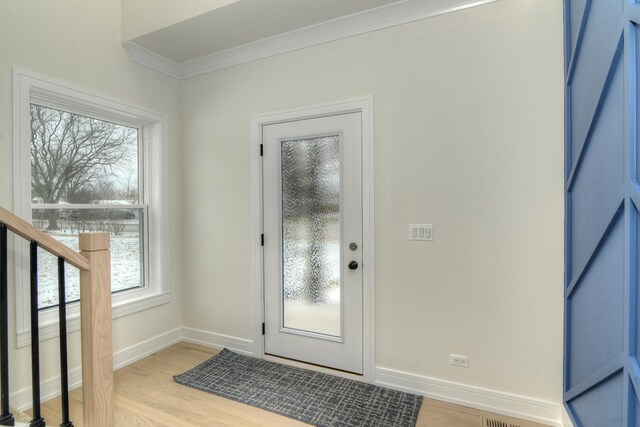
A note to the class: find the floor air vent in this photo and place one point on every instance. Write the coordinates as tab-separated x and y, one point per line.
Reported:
492	422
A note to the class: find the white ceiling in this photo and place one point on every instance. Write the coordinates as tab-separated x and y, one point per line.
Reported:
246	21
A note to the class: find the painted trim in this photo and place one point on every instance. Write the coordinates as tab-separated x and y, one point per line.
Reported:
633	12
364	106
51	329
132	354
622	54
212	339
152	60
50	388
399	13
256	242
565	419
28	86
597	109
522	407
499	402
368	240
582	268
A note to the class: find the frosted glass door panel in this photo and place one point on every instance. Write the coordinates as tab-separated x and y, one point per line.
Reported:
311	286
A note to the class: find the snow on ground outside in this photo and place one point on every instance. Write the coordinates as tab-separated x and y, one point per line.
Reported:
125	267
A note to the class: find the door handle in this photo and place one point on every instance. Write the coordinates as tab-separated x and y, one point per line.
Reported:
353	265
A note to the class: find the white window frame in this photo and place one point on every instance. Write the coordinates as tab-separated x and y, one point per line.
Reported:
29	87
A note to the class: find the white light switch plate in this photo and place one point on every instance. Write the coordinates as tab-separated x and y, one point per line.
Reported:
421	232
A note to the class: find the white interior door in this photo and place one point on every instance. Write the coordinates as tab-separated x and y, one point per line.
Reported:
312	210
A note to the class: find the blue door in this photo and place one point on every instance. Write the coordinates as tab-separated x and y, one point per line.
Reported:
601	374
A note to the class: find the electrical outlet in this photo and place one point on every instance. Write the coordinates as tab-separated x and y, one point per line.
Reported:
458	360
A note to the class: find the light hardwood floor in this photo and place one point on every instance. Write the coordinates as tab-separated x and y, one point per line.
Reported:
146	395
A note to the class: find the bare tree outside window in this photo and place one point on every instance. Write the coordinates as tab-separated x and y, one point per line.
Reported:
73	156
89	169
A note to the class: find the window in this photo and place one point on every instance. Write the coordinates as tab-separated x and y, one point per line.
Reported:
84	163
85	176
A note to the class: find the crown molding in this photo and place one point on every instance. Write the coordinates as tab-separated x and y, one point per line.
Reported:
348	26
152	60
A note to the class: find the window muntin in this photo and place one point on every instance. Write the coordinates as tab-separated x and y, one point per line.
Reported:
87	176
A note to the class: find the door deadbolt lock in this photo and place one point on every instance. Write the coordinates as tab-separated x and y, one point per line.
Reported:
353	246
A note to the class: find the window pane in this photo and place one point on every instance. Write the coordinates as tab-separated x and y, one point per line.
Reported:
127	249
86	161
81	160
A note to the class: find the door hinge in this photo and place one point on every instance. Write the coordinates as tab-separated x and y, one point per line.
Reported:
262	328
262	239
262	149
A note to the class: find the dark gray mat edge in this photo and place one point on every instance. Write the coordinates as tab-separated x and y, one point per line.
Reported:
312	397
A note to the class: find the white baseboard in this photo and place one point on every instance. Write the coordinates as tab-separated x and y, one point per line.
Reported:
50	388
475	397
211	339
146	348
512	405
522	407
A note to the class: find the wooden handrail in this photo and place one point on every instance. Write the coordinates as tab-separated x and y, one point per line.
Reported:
51	245
94	262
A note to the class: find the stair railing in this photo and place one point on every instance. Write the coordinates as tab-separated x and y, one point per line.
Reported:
94	262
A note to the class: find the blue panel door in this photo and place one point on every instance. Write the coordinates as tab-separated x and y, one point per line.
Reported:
601	373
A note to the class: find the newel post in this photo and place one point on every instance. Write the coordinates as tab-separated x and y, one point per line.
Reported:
97	346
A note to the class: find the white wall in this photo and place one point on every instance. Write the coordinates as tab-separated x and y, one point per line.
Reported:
78	42
469	137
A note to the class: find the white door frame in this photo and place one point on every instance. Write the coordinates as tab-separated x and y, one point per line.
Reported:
362	105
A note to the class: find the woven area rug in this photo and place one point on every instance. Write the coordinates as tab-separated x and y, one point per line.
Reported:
311	397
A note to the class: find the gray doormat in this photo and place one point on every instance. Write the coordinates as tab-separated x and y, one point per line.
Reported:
311	397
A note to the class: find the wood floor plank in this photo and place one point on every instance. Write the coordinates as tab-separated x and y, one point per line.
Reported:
439	414
146	395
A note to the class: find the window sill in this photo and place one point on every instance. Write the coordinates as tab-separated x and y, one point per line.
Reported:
124	304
